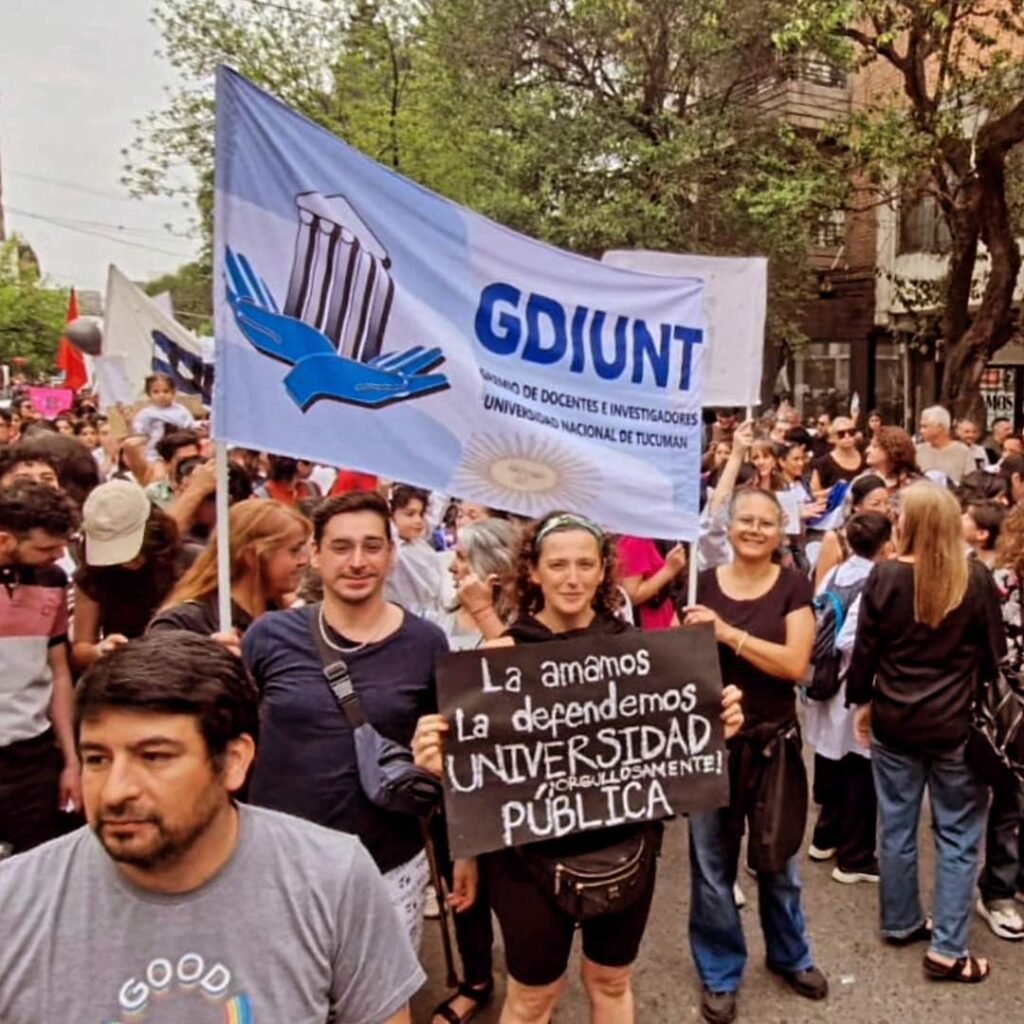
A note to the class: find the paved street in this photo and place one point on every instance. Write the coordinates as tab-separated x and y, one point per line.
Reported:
871	983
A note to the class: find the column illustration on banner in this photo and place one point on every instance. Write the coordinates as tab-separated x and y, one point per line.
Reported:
335	314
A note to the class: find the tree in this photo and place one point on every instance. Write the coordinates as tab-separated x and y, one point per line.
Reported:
31	315
591	124
952	129
191	296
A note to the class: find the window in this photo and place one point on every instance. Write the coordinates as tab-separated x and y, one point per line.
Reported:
923	227
830	230
889	393
823	377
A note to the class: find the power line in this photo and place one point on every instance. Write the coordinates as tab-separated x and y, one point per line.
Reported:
159	233
96	234
76	187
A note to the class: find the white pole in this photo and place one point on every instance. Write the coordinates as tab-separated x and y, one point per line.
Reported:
691	581
223	538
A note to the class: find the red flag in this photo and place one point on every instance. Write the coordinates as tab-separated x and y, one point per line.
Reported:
69	359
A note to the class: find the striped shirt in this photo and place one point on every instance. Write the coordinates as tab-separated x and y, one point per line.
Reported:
33	618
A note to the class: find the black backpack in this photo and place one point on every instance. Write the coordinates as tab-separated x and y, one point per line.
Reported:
830	609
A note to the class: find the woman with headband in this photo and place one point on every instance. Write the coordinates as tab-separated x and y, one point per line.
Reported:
565	588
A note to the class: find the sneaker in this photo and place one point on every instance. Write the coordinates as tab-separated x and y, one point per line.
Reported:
821	853
853	877
1003	918
737	896
431	909
718	1007
811	984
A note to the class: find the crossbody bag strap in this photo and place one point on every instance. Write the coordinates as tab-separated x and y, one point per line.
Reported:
336	674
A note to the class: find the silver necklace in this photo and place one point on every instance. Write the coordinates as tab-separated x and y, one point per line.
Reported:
337	647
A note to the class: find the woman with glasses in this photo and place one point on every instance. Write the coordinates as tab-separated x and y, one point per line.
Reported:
765	630
844	462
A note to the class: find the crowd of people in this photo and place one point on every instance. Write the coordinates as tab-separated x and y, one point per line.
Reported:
859	586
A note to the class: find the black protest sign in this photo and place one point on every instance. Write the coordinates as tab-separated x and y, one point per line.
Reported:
551	739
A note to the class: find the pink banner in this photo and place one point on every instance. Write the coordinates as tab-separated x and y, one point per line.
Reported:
51	402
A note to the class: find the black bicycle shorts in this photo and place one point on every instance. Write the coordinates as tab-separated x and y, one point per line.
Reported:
538	936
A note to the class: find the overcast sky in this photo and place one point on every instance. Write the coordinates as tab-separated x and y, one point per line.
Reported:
74	75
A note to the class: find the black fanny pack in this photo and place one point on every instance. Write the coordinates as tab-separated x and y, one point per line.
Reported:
388	775
604	881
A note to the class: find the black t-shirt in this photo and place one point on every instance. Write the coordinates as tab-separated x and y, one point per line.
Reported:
128	598
830	472
919	679
199	616
766	698
306	760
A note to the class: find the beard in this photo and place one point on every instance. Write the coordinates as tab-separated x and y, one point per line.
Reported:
157	844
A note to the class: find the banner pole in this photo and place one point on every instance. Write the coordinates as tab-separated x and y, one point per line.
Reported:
691	580
223	538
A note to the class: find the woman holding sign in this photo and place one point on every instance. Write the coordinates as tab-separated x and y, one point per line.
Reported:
566	588
765	630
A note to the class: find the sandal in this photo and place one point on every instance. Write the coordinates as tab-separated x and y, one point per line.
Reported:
922	933
480	997
966	969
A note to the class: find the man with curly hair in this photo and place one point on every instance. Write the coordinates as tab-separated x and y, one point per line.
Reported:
38	764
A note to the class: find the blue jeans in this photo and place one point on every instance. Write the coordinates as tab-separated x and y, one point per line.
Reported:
716	933
958	803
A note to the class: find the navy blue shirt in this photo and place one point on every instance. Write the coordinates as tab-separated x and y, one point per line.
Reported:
306	760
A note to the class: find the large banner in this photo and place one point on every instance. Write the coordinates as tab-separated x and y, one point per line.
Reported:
364	321
735	307
553	739
140	337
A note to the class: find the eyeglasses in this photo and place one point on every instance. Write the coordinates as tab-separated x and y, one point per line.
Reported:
846	433
746	522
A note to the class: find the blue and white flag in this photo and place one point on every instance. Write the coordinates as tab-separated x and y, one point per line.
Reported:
365	322
140	337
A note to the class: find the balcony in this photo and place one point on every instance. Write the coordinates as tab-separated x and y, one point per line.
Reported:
803	92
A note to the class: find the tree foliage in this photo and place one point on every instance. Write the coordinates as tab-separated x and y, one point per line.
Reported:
590	124
31	315
189	287
951	127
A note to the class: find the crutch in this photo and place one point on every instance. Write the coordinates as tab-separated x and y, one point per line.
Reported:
452	980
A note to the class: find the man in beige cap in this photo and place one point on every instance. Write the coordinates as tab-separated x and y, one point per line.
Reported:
114	521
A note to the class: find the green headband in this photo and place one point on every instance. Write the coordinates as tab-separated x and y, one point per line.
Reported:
568	521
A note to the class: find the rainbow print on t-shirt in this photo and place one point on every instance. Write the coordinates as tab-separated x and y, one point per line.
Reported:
238	1010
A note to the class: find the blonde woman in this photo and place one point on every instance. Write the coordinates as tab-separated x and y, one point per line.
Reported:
269	550
929	623
844	462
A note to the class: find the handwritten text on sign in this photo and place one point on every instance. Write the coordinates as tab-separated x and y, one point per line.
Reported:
551	739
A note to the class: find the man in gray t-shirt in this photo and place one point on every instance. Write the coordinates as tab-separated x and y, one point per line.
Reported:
177	906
